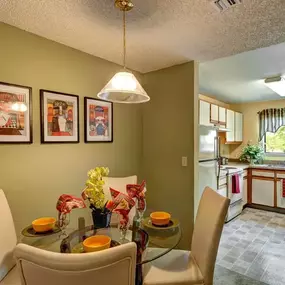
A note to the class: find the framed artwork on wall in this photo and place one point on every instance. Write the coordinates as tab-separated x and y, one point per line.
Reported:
15	114
59	117
98	120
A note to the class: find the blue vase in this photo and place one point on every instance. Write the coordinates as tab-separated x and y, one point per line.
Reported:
101	219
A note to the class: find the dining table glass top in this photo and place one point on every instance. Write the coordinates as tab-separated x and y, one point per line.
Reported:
146	237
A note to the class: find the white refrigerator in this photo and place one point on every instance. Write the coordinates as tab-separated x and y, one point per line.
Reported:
208	159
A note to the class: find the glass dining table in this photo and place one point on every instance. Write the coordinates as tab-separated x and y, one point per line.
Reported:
146	237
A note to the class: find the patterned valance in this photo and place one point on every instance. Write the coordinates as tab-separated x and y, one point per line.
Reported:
270	120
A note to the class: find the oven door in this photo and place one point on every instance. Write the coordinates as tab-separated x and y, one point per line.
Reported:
235	197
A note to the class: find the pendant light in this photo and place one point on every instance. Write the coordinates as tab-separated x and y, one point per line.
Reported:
124	87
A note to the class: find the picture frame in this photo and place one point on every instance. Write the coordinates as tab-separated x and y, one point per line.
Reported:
16	126
98	120
59	117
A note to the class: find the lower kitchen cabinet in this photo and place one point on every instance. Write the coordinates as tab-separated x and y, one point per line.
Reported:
263	192
244	193
280	198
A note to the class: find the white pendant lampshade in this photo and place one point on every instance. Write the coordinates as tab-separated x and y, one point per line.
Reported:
124	88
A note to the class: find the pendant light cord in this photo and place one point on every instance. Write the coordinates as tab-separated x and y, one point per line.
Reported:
124	41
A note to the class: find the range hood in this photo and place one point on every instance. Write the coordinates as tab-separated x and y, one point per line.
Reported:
221	129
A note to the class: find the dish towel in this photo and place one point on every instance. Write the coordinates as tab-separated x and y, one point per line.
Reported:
235	184
283	188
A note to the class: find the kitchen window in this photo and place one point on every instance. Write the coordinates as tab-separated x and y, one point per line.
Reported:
275	142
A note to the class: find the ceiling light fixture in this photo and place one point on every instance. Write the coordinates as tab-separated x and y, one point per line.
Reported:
223	5
277	84
124	87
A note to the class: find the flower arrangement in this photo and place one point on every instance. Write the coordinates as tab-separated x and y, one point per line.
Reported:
94	187
94	192
252	153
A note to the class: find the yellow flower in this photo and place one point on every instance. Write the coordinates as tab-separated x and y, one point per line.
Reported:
95	185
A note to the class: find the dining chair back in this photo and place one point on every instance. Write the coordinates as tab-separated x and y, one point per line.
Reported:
8	238
119	184
114	266
208	228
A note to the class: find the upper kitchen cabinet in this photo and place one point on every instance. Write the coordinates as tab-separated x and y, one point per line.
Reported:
222	115
235	125
230	135
238	127
214	114
204	113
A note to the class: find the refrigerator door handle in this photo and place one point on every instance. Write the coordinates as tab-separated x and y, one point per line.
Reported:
217	154
218	174
217	147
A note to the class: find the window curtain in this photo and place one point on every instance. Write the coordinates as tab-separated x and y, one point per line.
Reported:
270	120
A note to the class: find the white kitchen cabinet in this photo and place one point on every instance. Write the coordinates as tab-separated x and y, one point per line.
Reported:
244	193
204	115
222	115
230	136
238	127
262	173
214	113
263	192
280	198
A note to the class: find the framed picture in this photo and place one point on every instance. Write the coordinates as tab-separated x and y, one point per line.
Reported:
98	120
15	113
59	117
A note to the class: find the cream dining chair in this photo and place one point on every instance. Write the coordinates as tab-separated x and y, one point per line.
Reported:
8	241
119	183
114	266
196	267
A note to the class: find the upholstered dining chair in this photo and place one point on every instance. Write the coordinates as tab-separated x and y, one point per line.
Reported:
8	241
114	266
119	183
196	267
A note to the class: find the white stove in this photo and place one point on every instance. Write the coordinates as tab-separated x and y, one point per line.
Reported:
236	204
230	169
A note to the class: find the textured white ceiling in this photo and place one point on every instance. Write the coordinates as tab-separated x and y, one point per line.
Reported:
240	78
161	33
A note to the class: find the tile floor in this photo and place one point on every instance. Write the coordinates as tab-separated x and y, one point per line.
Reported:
253	245
224	276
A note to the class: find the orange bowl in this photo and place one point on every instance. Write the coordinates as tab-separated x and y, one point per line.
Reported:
160	218
43	224
96	243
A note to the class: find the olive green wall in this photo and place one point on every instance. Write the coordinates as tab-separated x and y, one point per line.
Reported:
33	176
169	133
149	139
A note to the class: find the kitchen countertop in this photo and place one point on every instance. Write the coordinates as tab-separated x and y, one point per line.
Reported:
239	165
257	166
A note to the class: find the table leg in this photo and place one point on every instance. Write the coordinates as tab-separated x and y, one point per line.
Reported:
141	239
139	275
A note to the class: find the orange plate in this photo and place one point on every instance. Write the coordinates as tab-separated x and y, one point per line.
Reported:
96	243
160	218
43	224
